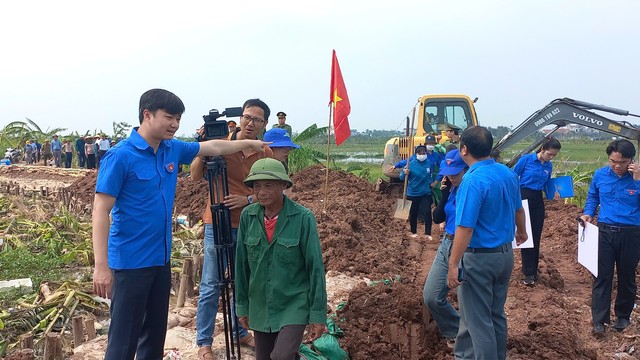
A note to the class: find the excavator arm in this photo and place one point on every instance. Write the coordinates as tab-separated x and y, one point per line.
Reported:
561	112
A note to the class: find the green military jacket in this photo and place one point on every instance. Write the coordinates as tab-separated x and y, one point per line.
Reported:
287	127
282	283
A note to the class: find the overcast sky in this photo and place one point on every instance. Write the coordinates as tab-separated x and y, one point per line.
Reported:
82	65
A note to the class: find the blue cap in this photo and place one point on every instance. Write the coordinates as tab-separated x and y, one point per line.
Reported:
279	138
454	163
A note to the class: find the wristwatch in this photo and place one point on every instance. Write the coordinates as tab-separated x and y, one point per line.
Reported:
250	199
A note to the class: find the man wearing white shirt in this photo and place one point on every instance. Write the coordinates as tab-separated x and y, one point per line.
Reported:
103	146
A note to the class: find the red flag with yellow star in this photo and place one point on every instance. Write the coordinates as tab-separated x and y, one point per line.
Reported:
340	100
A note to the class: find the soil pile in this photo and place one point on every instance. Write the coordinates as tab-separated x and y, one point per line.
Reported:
386	320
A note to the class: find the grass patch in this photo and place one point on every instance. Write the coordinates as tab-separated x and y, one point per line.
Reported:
21	263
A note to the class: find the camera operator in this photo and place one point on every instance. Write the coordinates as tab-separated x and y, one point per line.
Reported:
255	114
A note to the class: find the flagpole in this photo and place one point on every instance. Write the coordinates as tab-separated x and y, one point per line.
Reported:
326	179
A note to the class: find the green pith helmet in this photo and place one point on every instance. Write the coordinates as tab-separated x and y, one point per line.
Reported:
267	169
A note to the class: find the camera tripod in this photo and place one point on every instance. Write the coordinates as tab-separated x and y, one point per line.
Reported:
224	242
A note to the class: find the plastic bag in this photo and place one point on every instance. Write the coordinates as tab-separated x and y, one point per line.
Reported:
307	354
328	346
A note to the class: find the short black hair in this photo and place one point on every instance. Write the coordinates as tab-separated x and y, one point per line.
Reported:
450	147
160	99
622	146
259	103
478	141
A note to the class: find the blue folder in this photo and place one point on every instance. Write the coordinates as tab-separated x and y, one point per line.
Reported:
563	185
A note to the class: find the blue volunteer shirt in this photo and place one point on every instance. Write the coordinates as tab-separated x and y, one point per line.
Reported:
618	197
421	175
450	212
532	172
144	185
487	200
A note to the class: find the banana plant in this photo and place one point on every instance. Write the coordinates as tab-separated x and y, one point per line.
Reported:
306	156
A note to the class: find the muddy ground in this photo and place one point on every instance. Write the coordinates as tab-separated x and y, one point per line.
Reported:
361	238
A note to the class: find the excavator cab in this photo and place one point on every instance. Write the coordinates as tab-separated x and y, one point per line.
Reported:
439	112
434	113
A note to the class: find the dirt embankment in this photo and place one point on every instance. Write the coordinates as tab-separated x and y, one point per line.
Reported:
360	237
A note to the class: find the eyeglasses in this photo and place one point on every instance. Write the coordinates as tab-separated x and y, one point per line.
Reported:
620	163
256	120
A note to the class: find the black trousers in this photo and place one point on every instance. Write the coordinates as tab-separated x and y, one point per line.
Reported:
281	345
531	256
417	203
99	157
139	311
622	250
91	161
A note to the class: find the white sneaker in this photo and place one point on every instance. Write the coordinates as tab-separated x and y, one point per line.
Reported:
429	238
414	236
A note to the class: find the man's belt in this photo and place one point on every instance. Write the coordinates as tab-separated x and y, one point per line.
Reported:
616	228
502	248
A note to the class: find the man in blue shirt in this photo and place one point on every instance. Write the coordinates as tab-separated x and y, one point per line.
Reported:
56	149
616	189
136	185
488	214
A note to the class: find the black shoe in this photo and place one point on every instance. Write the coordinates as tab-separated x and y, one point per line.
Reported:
598	330
621	324
529	280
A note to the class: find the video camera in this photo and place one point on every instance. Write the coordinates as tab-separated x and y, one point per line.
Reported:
217	129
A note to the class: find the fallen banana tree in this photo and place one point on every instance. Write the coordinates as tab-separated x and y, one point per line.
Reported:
49	310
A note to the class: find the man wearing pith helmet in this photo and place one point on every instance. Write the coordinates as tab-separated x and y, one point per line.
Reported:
280	279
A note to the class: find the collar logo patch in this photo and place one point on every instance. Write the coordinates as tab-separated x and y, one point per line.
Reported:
170	167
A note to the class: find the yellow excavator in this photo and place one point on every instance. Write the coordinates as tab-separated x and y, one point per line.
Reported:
434	114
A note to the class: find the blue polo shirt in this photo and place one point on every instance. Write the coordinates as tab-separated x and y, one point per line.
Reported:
532	172
618	197
487	200
144	185
450	212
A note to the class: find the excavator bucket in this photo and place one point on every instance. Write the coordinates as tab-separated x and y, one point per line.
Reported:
402	209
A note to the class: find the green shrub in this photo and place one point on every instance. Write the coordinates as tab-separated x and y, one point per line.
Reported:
20	263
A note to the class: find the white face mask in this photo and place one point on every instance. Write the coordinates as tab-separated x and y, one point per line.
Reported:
421	157
431	147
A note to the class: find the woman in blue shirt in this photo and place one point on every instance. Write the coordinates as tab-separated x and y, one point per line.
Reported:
436	288
421	179
534	170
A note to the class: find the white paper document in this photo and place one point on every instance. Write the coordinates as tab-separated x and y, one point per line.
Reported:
529	243
588	247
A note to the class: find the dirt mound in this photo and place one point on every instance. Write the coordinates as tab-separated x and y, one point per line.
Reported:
85	188
358	232
386	320
191	198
